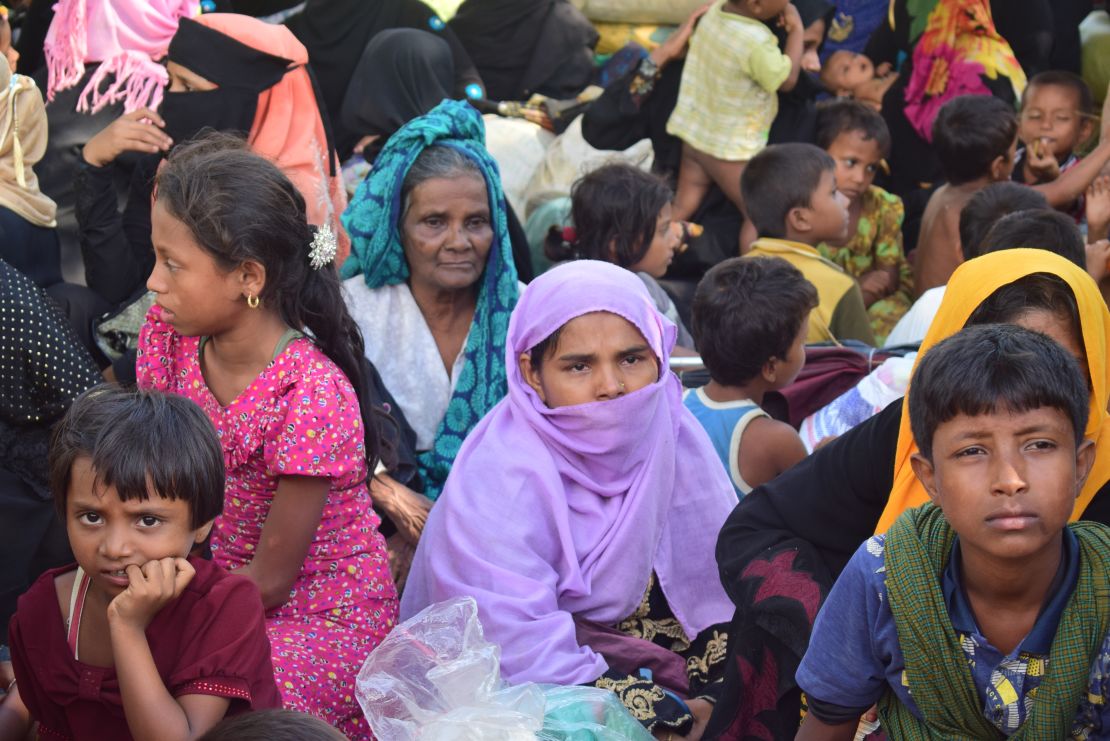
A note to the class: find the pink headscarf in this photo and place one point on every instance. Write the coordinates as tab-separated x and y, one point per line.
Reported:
125	37
550	514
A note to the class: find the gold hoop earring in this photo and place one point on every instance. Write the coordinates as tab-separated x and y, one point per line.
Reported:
253	301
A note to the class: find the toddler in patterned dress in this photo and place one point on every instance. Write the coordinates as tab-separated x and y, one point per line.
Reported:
250	324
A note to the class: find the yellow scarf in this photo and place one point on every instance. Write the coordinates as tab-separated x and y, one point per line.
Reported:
22	144
971	284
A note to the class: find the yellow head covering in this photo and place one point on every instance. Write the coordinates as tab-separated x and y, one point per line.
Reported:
970	286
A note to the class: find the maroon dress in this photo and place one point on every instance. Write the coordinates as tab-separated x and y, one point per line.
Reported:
209	641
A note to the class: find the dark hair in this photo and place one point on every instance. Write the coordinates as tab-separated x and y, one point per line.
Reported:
272	725
969	133
1034	292
746	311
780	178
139	442
240	206
1040	228
615	209
1063	78
544	348
981	370
841	115
437	161
990	204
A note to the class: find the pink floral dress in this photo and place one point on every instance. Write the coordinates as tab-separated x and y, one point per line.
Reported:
300	417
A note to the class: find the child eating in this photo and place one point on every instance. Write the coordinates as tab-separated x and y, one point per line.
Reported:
142	639
751	318
793	201
983	612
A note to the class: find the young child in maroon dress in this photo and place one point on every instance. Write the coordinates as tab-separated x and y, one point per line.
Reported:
141	639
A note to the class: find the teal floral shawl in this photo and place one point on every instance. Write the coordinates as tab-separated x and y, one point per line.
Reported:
372	220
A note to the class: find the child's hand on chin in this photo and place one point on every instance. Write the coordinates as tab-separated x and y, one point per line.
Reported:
151	588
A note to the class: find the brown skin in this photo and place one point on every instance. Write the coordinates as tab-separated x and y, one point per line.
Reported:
447	235
204	300
768	446
938	247
857	161
1059	329
148	541
142	129
826	217
601	356
1063	190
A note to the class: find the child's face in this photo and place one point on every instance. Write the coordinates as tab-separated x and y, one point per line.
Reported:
1006	481
663	246
1051	115
108	535
197	296
857	161
844	71
599	356
828	217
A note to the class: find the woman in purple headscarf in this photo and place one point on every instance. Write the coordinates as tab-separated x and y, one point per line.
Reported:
582	512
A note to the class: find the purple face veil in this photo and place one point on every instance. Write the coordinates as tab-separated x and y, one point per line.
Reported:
550	514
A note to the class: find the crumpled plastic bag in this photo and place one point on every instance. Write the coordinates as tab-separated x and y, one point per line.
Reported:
436	678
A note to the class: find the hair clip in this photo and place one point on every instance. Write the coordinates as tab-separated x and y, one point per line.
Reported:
570	234
323	248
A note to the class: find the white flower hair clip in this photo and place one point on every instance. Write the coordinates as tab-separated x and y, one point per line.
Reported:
323	248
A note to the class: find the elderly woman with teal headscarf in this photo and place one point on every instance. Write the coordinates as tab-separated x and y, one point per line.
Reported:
431	284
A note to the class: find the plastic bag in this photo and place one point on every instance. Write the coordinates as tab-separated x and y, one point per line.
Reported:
436	678
861	402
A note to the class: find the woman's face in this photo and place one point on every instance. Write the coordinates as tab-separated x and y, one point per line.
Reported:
599	356
663	246
446	233
1059	329
184	80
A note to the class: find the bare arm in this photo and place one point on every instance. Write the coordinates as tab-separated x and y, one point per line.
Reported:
1071	183
286	536
771	448
938	250
151	711
15	720
795	45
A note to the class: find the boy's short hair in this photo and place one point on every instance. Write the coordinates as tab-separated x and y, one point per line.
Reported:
1039	228
989	205
272	725
139	441
1063	78
837	116
991	368
781	177
969	133
746	311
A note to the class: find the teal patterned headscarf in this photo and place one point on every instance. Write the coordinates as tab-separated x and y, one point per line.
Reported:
373	219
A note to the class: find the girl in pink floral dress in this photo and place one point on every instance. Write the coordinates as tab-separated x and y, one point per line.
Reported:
240	283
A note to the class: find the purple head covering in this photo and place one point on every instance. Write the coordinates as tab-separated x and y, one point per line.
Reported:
554	513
